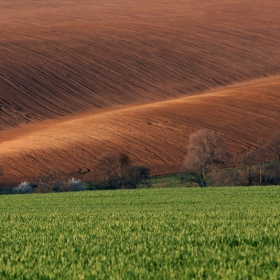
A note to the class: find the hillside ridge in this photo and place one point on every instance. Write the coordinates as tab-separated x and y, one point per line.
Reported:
155	134
65	57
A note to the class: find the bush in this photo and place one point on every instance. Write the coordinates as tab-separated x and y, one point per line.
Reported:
50	185
226	177
57	186
22	188
134	175
76	185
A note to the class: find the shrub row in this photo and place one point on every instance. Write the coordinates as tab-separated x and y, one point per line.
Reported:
54	186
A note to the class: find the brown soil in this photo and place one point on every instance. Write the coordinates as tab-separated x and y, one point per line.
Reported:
155	134
92	77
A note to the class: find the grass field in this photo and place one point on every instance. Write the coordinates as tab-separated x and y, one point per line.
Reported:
178	233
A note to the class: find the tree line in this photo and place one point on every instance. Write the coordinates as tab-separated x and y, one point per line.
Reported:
116	171
208	162
112	171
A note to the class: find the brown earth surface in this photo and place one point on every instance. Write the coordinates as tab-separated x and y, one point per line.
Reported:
155	134
81	78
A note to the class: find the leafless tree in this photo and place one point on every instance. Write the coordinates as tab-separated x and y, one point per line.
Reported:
247	160
125	162
270	174
118	171
206	149
274	147
134	174
108	166
261	154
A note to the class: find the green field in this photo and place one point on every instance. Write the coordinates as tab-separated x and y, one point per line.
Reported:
176	233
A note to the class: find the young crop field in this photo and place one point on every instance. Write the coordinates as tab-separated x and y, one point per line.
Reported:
176	233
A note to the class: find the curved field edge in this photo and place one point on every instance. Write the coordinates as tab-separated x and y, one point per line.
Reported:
226	233
155	134
65	57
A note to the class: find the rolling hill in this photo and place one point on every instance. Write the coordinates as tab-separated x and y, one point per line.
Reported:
81	78
155	134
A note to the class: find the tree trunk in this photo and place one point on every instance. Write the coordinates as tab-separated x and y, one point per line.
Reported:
249	181
202	183
261	173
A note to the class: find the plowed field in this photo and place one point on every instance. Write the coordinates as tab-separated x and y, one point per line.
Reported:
81	78
155	134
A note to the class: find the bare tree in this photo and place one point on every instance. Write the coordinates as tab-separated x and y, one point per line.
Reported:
247	159
125	163
134	174
118	171
270	174
206	149
274	147
261	154
109	166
